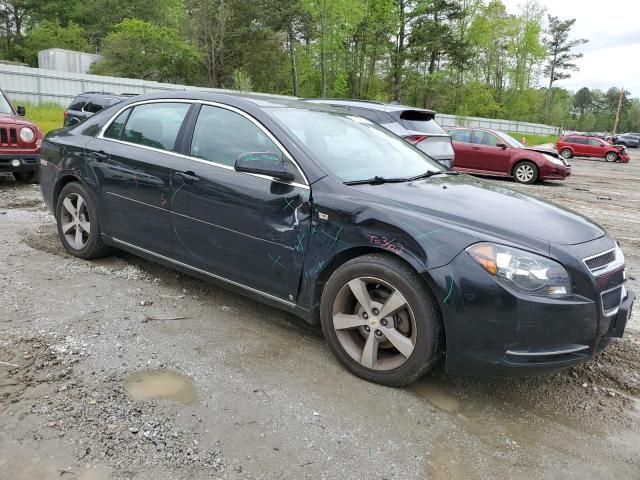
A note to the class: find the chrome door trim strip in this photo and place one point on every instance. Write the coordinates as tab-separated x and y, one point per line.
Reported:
564	351
204	272
201	221
206	162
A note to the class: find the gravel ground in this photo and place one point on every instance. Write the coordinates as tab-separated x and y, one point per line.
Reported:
122	369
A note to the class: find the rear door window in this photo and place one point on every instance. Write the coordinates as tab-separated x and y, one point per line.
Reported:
155	125
78	103
460	135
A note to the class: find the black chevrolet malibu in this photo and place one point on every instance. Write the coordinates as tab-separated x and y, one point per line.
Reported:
340	222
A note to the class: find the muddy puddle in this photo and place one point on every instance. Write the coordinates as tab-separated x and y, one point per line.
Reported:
163	384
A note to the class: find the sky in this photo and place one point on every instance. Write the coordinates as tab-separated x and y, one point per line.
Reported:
612	56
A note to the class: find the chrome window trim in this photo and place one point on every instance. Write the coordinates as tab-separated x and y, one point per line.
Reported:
204	272
259	125
610	267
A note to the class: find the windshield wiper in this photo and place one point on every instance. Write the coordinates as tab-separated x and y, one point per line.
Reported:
377	180
430	173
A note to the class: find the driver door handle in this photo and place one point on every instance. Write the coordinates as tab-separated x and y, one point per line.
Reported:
100	156
188	177
475	148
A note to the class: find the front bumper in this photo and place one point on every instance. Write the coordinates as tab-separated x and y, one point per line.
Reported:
493	331
29	162
624	158
555	172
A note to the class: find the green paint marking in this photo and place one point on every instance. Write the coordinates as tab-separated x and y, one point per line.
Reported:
451	287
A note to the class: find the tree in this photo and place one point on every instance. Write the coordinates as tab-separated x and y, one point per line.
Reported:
138	49
51	35
560	53
582	102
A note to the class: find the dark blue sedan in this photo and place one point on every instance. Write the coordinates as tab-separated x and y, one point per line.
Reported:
335	219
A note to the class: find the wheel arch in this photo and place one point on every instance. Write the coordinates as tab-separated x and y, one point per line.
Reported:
62	182
343	257
520	160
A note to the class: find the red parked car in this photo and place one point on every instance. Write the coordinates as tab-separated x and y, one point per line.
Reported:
19	143
582	146
489	152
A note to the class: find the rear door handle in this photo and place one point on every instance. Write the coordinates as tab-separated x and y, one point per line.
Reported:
100	156
188	177
475	148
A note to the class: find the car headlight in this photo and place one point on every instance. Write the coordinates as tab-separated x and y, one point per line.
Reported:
27	135
554	160
521	270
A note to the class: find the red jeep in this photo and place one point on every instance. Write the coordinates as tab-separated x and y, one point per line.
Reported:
583	146
19	143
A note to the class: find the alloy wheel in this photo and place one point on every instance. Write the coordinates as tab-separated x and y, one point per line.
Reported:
566	153
525	173
374	323
611	157
74	220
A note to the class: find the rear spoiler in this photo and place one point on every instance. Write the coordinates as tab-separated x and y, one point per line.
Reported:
417	115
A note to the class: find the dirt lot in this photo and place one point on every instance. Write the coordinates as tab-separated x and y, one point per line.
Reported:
123	369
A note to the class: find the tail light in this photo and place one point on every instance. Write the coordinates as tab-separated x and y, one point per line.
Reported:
415	139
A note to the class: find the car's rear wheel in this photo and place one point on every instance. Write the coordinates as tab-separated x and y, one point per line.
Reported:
78	226
525	172
566	153
611	157
380	320
26	177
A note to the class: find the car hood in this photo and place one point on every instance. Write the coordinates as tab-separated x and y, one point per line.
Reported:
491	210
10	119
548	149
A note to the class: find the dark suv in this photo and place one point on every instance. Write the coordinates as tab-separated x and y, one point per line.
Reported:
90	103
417	126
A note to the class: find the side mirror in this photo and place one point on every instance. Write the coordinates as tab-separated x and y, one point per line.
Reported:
21	110
264	163
501	145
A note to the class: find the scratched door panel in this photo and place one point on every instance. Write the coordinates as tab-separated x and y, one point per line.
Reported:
135	188
244	228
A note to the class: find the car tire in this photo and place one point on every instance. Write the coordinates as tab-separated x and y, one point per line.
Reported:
526	172
26	177
357	339
566	153
611	157
78	226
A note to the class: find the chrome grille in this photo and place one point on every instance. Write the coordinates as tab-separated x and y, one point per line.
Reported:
600	261
611	300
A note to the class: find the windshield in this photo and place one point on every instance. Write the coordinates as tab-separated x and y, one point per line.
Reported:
353	148
511	141
5	106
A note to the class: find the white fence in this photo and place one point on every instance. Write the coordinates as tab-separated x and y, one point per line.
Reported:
37	85
504	125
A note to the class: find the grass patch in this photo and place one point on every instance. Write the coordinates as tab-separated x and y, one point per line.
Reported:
47	116
533	139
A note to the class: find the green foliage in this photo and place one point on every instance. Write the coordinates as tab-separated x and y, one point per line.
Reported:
47	116
138	49
465	57
531	139
242	81
51	35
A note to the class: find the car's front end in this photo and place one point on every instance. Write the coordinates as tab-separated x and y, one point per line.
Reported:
551	165
19	146
513	312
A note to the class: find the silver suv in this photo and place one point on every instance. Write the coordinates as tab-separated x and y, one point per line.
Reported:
416	125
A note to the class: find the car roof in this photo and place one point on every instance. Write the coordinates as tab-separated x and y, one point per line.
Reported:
368	104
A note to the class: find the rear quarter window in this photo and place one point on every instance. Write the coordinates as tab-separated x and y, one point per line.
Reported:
78	103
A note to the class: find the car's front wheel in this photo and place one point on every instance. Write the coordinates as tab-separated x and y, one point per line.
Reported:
380	320
525	172
78	226
611	157
566	153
